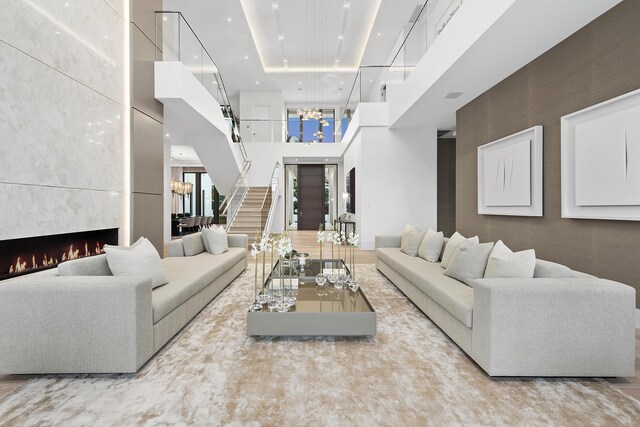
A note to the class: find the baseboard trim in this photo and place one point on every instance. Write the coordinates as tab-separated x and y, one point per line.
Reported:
638	318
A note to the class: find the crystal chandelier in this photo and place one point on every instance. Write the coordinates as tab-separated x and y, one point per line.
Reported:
310	113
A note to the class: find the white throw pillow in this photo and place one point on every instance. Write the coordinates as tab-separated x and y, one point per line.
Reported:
431	246
412	242
504	263
218	242
405	233
454	243
140	259
469	262
205	237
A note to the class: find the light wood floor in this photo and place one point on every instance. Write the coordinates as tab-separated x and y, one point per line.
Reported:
305	241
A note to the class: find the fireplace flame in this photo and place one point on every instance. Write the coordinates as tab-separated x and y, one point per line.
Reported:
21	266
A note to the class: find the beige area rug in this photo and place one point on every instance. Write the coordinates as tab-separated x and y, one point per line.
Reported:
411	373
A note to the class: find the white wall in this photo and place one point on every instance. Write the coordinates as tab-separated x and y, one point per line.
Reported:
62	152
396	174
277	114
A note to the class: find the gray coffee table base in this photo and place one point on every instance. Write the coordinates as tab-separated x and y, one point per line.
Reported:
311	324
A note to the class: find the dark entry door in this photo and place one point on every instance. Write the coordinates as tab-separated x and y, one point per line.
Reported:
310	196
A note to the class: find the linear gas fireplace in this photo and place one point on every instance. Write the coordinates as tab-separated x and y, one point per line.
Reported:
31	254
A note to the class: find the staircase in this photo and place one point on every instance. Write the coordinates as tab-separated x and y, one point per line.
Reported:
252	215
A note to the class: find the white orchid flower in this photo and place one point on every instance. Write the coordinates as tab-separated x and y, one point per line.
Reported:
321	236
254	250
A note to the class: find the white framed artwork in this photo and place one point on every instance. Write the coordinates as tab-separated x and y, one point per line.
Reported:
601	160
510	175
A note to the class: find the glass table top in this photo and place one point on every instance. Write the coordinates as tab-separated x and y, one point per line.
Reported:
312	298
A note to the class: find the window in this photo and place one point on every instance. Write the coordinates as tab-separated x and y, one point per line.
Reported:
299	130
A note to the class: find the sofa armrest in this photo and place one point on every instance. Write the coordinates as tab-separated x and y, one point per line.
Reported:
75	324
554	327
176	249
388	241
238	241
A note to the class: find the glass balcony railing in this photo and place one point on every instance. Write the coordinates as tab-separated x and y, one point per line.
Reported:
180	43
376	83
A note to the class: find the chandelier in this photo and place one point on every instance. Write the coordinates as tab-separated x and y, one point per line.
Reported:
310	113
181	188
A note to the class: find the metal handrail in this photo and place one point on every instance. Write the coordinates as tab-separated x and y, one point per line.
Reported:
275	177
236	186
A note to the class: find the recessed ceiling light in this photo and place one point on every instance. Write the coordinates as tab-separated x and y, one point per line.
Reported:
299	83
228	19
167	135
371	81
296	160
275	5
257	82
340	37
346	5
164	18
284	60
280	37
66	4
337	60
326	160
195	56
246	57
341	83
379	34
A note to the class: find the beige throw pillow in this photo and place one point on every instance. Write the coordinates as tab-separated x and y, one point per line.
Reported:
411	243
469	262
431	246
452	246
405	233
505	263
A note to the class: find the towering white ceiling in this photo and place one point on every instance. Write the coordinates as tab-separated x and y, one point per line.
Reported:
250	40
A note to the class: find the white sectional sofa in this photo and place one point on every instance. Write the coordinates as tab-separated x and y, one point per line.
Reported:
98	323
559	323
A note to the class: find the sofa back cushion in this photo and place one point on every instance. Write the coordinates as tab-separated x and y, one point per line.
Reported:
469	262
408	229
193	244
504	263
454	243
88	266
411	243
548	269
431	246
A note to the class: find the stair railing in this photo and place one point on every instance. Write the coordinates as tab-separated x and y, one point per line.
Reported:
239	190
270	194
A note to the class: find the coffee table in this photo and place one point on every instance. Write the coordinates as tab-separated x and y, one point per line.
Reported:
317	312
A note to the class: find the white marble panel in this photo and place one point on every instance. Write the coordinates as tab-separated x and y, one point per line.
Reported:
54	130
81	38
29	210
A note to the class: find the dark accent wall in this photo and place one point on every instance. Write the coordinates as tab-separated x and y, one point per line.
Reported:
147	142
597	63
447	185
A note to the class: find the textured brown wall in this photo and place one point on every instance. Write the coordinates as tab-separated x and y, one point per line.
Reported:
599	62
447	185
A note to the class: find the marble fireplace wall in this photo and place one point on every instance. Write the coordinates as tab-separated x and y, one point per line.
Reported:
61	108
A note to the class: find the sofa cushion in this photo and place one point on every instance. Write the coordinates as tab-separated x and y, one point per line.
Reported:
548	269
405	233
140	259
469	262
450	294
218	241
193	244
188	276
453	244
504	263
431	246
88	266
411	243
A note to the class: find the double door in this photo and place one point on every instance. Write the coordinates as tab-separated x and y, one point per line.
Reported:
311	203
